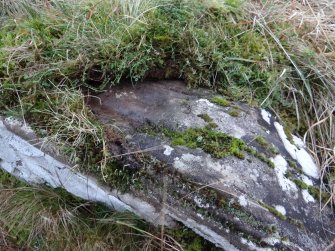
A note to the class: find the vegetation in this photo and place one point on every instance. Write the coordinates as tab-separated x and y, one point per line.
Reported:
54	53
33	218
217	144
273	211
234	112
220	101
206	117
52	49
46	219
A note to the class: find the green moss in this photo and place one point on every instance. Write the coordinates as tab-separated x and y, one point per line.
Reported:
296	222
273	211
288	132
285	239
262	141
220	101
312	190
212	125
218	144
191	241
292	163
270	163
300	184
317	194
260	156
273	150
251	150
205	117
288	175
234	112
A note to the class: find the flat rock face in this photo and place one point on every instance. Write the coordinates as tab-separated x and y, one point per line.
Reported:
252	203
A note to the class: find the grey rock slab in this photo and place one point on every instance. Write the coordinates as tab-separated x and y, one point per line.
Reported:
242	184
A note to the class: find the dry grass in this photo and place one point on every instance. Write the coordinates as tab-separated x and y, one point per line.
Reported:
313	24
44	219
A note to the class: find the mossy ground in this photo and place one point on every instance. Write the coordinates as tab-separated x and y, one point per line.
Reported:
220	101
273	211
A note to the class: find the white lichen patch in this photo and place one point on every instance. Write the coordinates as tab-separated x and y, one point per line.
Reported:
307	197
118	95
307	180
189	161
11	121
168	150
200	203
272	240
252	246
200	216
305	194
242	201
300	154
281	209
266	116
280	169
125	94
185	162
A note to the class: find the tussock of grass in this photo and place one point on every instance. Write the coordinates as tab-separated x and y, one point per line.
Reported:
47	219
262	53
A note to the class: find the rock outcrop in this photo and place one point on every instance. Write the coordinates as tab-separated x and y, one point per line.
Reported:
224	169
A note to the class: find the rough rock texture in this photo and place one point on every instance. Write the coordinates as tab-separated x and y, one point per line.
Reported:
247	203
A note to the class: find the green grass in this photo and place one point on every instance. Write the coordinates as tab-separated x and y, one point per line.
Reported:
47	219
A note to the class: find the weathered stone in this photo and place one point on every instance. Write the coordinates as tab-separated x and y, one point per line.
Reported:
242	183
236	203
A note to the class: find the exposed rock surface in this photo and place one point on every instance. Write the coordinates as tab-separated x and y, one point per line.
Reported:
253	202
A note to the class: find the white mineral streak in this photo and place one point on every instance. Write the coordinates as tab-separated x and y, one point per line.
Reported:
243	201
281	168
266	116
168	150
252	246
305	194
300	154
